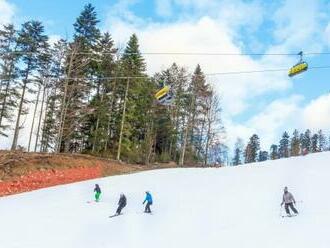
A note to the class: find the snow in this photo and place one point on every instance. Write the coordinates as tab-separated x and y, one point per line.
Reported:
230	207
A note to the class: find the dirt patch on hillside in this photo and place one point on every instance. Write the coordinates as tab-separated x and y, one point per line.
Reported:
21	171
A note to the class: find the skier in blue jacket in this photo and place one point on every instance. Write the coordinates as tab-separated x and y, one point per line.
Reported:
148	199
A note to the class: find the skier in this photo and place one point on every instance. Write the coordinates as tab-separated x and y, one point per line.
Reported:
97	191
288	201
148	199
121	203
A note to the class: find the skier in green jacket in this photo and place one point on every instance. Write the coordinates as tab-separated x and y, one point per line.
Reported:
97	191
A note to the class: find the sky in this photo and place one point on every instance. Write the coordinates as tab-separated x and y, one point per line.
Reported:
263	103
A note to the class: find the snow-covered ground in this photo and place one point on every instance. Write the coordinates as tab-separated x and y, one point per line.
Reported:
194	208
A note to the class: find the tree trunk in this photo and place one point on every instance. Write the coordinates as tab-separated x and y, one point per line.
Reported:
208	135
97	124
122	122
185	137
109	121
34	116
17	127
64	103
150	143
4	102
112	103
40	117
201	136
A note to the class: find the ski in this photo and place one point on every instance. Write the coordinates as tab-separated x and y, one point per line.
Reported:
92	201
291	215
111	216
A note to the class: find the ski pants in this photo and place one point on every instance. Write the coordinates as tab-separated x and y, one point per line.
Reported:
120	207
290	205
97	196
147	209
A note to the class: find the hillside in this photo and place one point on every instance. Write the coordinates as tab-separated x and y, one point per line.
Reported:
193	207
22	171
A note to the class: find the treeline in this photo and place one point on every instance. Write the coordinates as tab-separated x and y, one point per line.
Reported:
86	96
296	145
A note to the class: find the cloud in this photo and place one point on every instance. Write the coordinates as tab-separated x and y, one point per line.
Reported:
282	115
234	13
298	25
7	11
164	8
53	38
327	34
316	115
279	116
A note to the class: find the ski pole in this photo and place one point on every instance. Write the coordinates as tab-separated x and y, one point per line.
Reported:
280	214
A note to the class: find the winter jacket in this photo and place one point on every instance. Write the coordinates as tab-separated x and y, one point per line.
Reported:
148	198
97	190
288	198
122	201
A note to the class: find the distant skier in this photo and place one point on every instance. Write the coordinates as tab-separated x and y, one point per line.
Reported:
97	191
148	199
121	203
288	201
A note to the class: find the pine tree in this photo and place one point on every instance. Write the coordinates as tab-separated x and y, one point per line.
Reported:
177	77
99	124
137	99
295	144
247	154
85	27
41	80
8	76
45	84
51	122
305	140
201	93
238	152
284	146
252	149
169	122
274	152
218	153
263	156
314	143
212	123
322	141
132	59
75	109
31	41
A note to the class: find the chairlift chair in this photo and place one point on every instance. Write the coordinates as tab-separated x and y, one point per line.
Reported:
298	68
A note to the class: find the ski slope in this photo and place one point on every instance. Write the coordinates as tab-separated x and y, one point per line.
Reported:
232	207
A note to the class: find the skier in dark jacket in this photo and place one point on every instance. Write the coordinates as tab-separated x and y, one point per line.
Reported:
148	199
97	191
288	201
121	203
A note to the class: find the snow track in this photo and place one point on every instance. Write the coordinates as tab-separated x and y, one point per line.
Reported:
194	208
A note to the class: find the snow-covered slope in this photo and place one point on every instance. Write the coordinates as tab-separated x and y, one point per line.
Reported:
228	207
